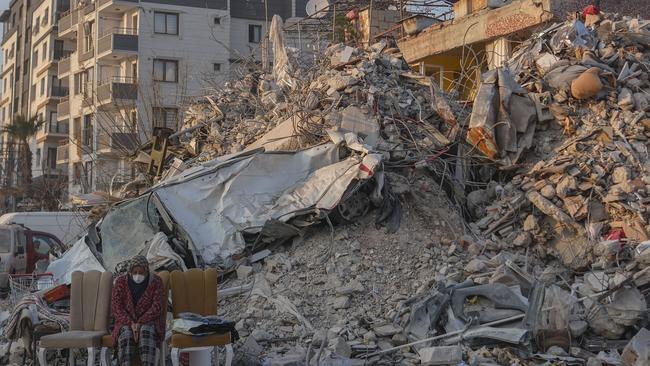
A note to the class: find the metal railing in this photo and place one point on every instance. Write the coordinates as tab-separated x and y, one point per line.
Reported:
120	30
117	141
59	91
118	79
62	54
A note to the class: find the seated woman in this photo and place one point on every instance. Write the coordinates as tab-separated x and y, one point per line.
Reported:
137	305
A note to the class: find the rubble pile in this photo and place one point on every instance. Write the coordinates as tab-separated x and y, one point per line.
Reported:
370	92
590	182
553	267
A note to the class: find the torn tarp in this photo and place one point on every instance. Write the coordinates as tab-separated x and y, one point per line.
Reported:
78	258
217	202
503	118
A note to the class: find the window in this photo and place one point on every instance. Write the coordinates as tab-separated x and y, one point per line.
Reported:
217	20
165	117
165	70
38	157
42	86
89	176
51	157
78	83
254	33
46	16
54	124
165	23
81	82
35	62
216	67
88	36
44	50
76	173
5	241
87	133
43	245
37	24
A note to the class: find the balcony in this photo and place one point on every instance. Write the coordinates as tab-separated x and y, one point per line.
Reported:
68	24
64	66
117	143
118	90
63	154
87	55
62	54
116	6
52	131
117	44
59	91
63	109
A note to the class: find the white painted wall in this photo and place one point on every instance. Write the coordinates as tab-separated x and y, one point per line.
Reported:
194	48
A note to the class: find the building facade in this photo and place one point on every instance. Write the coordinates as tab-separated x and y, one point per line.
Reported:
132	66
101	74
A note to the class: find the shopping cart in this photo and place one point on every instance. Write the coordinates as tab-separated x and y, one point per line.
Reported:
26	283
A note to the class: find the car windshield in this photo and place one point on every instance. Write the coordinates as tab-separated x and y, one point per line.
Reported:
5	241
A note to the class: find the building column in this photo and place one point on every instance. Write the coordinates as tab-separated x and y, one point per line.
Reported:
498	52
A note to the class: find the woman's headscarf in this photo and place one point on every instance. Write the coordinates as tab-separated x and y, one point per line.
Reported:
138	289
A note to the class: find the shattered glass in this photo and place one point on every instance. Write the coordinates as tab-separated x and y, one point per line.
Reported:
125	230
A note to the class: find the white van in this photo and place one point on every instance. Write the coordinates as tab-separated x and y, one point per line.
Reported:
67	226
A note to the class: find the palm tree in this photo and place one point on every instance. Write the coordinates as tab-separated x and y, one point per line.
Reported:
20	131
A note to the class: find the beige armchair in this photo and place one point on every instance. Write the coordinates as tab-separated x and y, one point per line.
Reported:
195	291
90	299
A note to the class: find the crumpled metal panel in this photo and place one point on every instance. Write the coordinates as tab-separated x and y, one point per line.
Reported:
216	202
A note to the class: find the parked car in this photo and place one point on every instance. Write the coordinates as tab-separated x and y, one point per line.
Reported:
22	250
67	226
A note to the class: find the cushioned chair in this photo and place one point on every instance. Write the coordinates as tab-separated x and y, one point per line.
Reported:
161	351
195	291
90	299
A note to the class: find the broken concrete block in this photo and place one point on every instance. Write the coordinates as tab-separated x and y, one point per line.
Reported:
352	287
354	119
627	306
243	272
621	174
387	330
522	240
598	281
530	224
548	191
637	351
444	355
475	266
341	302
578	328
341	347
626	99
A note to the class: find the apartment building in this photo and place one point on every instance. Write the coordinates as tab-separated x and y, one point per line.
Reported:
46	90
102	74
16	77
132	66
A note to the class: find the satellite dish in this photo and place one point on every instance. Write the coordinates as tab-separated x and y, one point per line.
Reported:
315	8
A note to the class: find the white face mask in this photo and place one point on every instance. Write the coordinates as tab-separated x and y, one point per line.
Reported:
138	278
